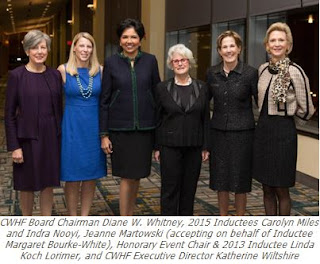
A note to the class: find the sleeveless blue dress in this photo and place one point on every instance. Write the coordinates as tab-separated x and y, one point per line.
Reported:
81	155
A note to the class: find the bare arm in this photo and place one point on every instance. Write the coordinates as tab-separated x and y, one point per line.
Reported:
62	71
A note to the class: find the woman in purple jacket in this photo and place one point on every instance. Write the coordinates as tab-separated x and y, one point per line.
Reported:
32	120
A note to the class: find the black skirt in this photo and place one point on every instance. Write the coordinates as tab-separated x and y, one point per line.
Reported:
231	160
275	149
132	153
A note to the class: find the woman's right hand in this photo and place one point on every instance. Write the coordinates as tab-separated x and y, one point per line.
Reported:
157	155
17	156
106	145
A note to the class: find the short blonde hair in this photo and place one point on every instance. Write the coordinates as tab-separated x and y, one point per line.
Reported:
232	34
33	38
181	50
279	26
94	65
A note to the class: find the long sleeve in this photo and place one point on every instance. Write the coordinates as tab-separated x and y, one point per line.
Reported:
159	110
254	87
209	80
155	74
106	87
11	106
60	103
206	121
155	81
305	108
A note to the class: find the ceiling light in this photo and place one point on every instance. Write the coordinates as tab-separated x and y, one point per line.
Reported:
310	19
91	7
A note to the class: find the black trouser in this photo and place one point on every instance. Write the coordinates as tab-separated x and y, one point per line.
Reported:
180	170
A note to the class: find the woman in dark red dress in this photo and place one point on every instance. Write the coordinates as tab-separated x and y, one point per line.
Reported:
32	120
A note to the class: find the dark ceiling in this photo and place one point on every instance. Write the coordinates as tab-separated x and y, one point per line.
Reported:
22	15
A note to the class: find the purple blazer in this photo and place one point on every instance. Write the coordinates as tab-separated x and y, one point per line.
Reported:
21	107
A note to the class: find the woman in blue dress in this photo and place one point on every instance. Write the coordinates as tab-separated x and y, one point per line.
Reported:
82	160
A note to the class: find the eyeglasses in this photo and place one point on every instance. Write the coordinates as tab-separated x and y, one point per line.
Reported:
177	62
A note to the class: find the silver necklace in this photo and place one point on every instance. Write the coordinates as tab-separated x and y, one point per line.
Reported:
86	93
30	69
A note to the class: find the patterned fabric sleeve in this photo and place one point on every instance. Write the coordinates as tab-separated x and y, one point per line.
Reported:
305	108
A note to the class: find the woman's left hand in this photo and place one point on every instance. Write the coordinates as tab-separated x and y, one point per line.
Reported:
205	155
157	155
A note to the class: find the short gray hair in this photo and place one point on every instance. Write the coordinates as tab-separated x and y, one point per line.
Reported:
33	38
181	50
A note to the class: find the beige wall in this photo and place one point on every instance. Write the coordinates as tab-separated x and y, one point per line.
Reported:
153	19
99	28
63	38
308	156
75	17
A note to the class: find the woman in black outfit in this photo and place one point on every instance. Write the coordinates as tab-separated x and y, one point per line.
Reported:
232	85
181	134
284	93
127	111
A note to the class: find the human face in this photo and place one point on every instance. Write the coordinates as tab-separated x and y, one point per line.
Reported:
83	50
277	45
180	64
229	50
39	53
130	42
